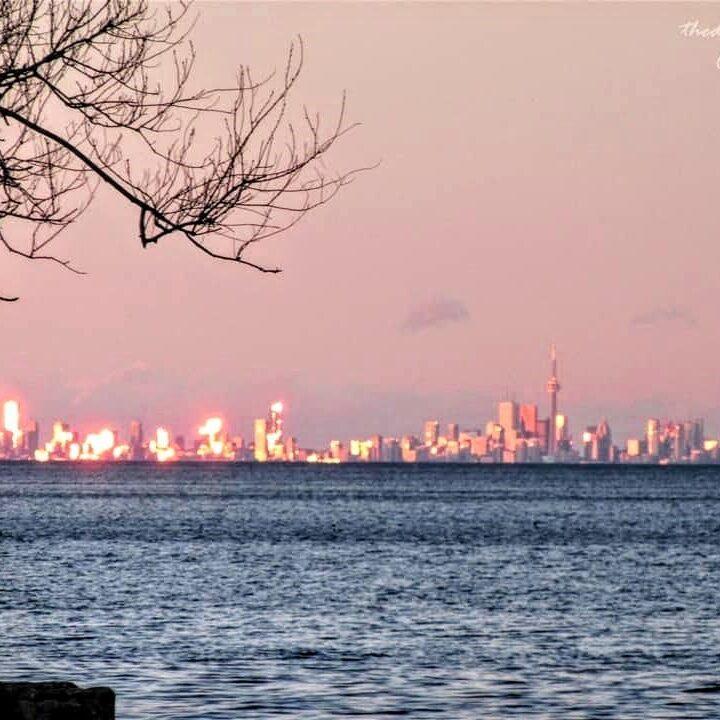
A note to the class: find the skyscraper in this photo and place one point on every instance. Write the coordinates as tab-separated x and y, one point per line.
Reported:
261	447
553	388
653	437
136	440
508	416
32	438
543	434
376	445
431	432
602	451
529	419
274	432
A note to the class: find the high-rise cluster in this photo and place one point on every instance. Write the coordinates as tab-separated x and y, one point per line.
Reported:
518	434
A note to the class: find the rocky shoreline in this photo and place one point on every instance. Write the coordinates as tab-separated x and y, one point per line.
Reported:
55	701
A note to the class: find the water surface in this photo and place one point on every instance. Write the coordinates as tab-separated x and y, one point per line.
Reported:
230	591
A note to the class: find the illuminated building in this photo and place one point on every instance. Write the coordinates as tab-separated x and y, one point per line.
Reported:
409	455
508	415
479	446
589	439
677	436
553	388
508	420
431	432
653	437
562	433
338	451
260	437
602	450
214	444
274	432
453	431
528	419
11	424
409	442
61	439
634	447
97	445
160	446
291	449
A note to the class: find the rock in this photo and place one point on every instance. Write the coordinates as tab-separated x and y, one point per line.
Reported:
55	701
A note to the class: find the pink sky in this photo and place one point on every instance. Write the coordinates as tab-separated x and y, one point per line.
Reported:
548	173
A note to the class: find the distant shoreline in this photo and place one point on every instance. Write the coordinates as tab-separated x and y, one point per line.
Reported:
328	467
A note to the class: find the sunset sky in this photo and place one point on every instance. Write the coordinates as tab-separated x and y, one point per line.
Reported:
547	173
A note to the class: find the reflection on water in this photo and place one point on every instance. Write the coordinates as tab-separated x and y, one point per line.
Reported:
313	592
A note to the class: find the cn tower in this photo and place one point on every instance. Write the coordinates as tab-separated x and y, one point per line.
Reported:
553	387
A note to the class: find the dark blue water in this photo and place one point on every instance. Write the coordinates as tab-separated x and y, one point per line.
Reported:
308	592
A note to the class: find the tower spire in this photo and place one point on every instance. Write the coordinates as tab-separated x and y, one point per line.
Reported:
553	387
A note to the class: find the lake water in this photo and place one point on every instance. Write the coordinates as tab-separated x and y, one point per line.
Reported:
209	592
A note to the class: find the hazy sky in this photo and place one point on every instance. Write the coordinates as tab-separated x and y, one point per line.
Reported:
548	173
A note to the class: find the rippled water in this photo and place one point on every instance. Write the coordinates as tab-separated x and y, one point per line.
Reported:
461	592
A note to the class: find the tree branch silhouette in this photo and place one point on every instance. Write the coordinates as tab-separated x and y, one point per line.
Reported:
85	102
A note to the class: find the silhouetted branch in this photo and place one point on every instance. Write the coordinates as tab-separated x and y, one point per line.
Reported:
79	96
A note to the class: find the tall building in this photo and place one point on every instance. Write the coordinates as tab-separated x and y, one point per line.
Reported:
679	447
431	432
589	439
376	448
553	388
653	437
562	432
260	434
391	450
32	438
136	440
634	447
694	434
11	425
543	434
274	432
508	416
453	431
529	419
602	451
291	449
338	451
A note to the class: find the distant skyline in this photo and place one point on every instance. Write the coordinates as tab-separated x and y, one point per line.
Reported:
548	173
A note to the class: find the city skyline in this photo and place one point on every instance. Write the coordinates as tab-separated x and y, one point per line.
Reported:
518	433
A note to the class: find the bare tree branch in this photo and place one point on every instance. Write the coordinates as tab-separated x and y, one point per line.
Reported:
83	89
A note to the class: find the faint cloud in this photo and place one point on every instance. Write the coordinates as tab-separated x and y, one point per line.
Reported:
434	314
672	315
